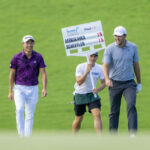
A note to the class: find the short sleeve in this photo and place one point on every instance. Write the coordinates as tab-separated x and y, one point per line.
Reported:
101	76
135	57
42	63
78	71
107	56
13	63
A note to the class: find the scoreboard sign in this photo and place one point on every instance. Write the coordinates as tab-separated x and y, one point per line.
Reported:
84	39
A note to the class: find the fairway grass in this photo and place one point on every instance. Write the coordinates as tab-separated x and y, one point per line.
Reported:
67	141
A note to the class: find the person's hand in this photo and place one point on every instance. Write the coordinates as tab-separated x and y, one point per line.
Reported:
44	93
138	88
11	96
109	83
88	68
95	91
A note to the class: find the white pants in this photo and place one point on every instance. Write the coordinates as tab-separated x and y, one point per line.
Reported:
26	98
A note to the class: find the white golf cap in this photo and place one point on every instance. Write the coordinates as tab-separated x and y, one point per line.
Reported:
27	38
119	31
96	53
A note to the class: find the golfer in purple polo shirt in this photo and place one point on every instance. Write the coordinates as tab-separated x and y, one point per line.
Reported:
24	71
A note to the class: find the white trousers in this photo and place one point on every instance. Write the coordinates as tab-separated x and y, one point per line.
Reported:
26	98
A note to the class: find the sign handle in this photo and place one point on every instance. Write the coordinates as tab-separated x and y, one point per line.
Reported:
91	76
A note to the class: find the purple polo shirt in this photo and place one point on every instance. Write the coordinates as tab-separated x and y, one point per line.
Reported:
27	70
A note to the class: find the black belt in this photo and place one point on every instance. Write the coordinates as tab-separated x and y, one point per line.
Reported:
122	81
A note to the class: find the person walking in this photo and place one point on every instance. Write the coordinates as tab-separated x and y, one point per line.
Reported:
84	93
24	71
120	67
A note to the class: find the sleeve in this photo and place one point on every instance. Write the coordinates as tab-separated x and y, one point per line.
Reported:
41	62
13	63
101	76
78	71
135	57
107	56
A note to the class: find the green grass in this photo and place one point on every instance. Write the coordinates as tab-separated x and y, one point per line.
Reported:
66	141
44	19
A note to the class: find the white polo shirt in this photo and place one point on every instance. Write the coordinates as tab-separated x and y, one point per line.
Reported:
86	87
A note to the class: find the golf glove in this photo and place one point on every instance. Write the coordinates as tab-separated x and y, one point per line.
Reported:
138	88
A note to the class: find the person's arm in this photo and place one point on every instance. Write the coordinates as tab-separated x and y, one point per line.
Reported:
44	81
11	84
100	88
80	79
137	72
105	72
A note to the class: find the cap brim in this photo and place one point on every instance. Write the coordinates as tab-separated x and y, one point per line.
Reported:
94	54
28	40
117	34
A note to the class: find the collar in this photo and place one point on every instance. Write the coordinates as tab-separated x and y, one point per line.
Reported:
126	45
92	66
23	53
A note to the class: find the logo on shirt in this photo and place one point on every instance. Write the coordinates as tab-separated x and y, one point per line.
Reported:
34	61
95	73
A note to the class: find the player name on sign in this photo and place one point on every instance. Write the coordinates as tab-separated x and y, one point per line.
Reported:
85	43
83	37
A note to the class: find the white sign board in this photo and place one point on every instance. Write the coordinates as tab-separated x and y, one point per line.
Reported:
84	39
